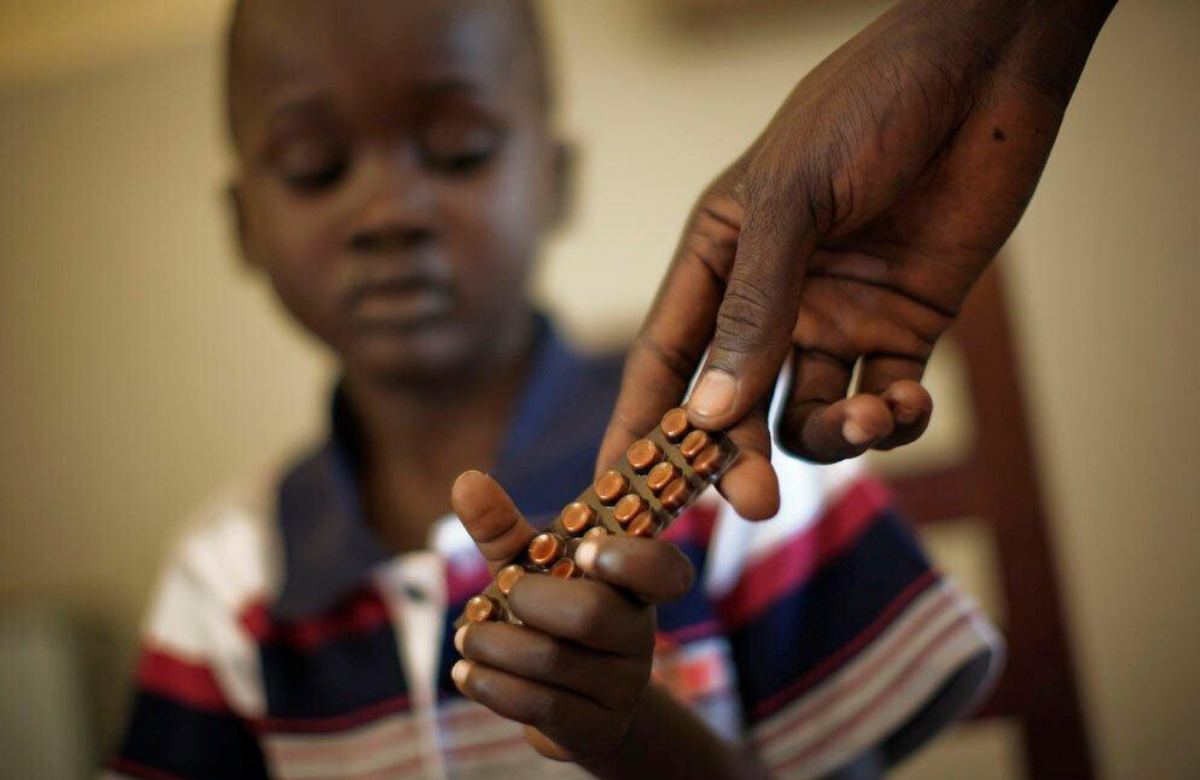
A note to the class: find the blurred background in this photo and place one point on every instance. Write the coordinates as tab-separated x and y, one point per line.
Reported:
142	366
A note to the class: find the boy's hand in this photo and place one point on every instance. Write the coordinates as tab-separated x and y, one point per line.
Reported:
852	229
575	673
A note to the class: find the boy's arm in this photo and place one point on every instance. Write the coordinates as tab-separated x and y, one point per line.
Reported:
666	739
577	672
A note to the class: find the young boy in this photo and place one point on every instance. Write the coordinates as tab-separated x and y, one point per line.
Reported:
397	170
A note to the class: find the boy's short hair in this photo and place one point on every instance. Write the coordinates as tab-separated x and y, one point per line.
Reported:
525	11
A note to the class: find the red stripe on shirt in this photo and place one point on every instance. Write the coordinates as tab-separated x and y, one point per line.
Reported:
359	613
466	575
139	770
187	682
695	526
787	568
691	633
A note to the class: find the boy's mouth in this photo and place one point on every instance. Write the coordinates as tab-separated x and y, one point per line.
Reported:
400	303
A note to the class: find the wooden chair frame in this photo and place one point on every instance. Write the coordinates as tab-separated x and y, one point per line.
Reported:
997	482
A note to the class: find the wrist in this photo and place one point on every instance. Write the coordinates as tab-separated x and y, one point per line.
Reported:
1044	43
667	739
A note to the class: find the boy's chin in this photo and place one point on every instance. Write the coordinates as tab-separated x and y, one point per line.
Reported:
429	357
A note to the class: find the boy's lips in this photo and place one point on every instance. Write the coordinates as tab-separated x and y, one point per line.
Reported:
399	303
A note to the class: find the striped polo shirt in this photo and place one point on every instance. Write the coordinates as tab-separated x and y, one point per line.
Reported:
285	641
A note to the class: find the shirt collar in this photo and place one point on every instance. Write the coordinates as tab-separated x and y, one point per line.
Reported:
545	458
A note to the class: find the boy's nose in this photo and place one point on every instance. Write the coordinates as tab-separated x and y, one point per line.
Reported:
389	234
399	210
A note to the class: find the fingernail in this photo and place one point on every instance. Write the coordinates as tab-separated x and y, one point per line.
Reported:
714	393
464	475
459	671
460	637
585	555
906	415
853	433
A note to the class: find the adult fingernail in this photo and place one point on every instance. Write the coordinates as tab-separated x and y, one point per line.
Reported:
906	415
714	393
460	637
460	671
585	555
854	433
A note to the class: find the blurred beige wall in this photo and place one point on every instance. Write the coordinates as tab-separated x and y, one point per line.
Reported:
142	366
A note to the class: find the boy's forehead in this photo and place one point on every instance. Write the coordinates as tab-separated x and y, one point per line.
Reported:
275	44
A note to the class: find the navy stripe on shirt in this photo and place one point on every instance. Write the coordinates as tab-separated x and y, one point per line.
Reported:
860	588
169	739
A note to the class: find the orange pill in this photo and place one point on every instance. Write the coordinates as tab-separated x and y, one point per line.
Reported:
676	494
577	517
481	609
693	443
596	533
661	475
674	424
610	486
564	568
644	526
628	507
709	461
545	549
643	454
508	576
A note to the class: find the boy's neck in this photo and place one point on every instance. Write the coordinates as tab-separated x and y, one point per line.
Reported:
415	440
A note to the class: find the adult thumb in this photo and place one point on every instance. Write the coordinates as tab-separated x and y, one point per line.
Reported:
753	334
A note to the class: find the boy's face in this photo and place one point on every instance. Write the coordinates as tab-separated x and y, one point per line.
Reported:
396	174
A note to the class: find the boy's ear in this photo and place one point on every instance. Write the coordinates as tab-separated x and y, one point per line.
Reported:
237	212
562	185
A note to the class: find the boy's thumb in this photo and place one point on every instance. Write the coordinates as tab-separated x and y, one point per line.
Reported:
491	518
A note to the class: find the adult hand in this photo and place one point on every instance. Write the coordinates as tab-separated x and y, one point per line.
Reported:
850	232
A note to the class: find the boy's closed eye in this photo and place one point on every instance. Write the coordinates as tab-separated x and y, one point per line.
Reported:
311	166
311	162
456	141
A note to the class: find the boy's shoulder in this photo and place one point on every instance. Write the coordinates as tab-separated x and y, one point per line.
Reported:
228	547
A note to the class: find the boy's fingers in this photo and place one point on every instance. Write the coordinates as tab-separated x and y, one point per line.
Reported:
663	358
552	710
491	518
651	569
584	611
757	313
534	655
